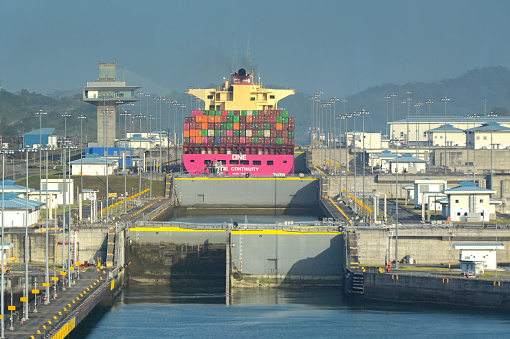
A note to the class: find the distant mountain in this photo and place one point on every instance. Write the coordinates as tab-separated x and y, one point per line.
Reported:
467	95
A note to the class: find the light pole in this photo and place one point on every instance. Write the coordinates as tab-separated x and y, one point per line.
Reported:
429	102
340	118
48	206
106	113
445	99
408	132
418	136
334	100
150	117
396	206
393	95
363	113
140	117
355	163
118	102
4	153
81	117
387	97
40	113
64	197
69	277
491	116
25	303
125	115
182	137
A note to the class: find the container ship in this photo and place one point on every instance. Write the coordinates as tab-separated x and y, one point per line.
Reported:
241	133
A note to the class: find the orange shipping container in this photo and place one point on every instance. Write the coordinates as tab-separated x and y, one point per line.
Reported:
279	126
217	118
236	125
210	118
249	118
199	118
186	133
204	125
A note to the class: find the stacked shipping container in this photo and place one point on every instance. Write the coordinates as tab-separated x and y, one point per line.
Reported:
239	132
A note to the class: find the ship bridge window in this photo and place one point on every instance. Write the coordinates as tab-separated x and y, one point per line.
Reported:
270	163
252	98
284	161
210	96
257	162
234	162
271	97
245	162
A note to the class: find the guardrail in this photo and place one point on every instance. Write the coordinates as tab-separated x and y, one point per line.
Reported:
319	226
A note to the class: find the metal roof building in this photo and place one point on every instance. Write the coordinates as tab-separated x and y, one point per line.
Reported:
38	136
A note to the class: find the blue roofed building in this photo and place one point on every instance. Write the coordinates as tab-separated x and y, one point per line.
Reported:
37	137
15	208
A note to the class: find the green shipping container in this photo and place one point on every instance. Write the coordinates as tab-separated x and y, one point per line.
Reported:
230	113
244	113
236	118
217	133
256	113
204	132
236	133
285	113
217	113
223	125
285	120
242	133
278	118
279	141
230	118
267	125
230	125
291	134
254	140
261	133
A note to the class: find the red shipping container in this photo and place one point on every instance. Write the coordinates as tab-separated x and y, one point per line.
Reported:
186	126
291	121
236	140
238	113
272	141
248	126
285	127
229	140
285	141
242	140
205	140
224	113
223	119
247	140
242	126
272	119
242	119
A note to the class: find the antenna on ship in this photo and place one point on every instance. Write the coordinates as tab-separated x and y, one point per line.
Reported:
234	53
248	56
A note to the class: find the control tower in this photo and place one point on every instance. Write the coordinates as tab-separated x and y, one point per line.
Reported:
107	93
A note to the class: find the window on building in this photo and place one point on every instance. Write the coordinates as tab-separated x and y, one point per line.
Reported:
252	98
481	201
457	201
458	213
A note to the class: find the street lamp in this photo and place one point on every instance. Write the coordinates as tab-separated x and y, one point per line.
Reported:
363	113
418	136
387	97
125	114
393	95
150	117
408	132
4	153
25	303
81	117
40	113
106	113
334	100
491	116
69	277
48	206
445	99
429	102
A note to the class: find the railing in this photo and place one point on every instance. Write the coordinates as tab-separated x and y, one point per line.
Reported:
318	226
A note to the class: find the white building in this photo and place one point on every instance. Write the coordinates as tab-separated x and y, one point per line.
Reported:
94	164
57	185
454	136
15	209
407	164
371	140
468	202
430	190
489	133
478	252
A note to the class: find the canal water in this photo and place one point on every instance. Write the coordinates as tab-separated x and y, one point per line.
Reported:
161	312
146	311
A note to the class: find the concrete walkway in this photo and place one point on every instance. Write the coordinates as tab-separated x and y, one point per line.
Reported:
51	315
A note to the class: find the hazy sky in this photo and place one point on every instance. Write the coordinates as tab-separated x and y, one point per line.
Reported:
338	47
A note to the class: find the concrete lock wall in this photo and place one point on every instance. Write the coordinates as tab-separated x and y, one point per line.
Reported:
253	192
91	245
426	246
265	258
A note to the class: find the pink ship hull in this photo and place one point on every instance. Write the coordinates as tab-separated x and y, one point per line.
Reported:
240	164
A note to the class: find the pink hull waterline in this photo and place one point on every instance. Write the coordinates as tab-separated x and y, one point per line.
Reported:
241	164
